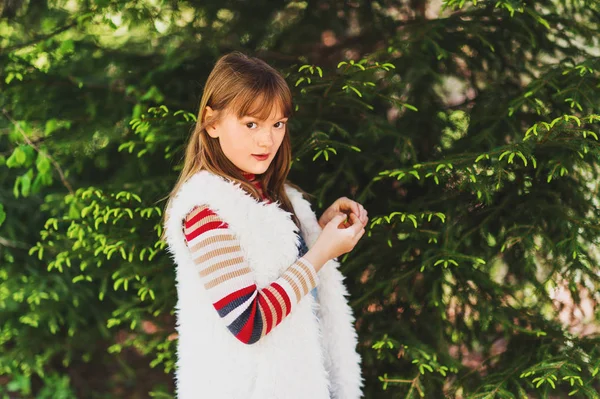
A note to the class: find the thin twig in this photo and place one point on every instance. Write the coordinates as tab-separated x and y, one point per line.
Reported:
5	242
38	39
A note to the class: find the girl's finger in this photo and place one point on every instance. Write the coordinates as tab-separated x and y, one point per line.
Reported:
343	223
363	211
350	205
356	222
362	215
360	234
355	207
338	218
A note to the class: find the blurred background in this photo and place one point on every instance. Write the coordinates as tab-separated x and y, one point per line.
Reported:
467	129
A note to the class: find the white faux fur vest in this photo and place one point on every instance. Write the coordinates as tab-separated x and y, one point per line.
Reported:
304	357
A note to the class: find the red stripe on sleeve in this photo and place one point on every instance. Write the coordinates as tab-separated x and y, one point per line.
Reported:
204	228
275	304
285	297
199	216
221	303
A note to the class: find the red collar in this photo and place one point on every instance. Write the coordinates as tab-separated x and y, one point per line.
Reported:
249	176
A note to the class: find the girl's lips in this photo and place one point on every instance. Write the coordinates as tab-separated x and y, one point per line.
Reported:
261	157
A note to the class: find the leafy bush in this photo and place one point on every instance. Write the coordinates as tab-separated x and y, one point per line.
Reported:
471	138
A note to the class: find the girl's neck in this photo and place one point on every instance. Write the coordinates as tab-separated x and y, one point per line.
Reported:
253	179
250	176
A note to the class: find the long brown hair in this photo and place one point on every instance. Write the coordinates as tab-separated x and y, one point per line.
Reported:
242	85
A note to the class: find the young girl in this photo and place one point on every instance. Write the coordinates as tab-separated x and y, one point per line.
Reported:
261	310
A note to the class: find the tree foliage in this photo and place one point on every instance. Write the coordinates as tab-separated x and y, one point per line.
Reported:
469	132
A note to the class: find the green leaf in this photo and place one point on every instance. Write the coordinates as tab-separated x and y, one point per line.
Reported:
42	163
25	180
17	158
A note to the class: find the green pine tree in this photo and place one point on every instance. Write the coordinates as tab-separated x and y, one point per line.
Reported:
468	129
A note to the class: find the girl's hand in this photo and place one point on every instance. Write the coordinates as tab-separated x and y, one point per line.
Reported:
335	240
344	206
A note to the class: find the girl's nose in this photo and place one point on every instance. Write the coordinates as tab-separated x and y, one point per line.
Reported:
265	139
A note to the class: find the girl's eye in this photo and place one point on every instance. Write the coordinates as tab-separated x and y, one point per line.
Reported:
282	124
250	123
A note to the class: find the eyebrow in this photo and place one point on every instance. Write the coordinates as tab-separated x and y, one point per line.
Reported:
276	119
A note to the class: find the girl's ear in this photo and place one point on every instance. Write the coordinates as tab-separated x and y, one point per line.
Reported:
210	129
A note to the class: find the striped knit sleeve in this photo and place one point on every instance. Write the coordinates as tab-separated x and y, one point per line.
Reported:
248	312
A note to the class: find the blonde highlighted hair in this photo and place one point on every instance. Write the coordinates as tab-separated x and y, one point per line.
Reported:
243	86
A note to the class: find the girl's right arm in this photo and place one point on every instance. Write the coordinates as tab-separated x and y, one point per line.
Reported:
249	313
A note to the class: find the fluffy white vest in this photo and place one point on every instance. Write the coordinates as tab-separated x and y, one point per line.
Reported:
304	357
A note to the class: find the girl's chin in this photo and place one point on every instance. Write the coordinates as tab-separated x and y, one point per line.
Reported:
258	169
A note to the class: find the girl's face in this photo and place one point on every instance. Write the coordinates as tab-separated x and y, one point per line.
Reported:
242	139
